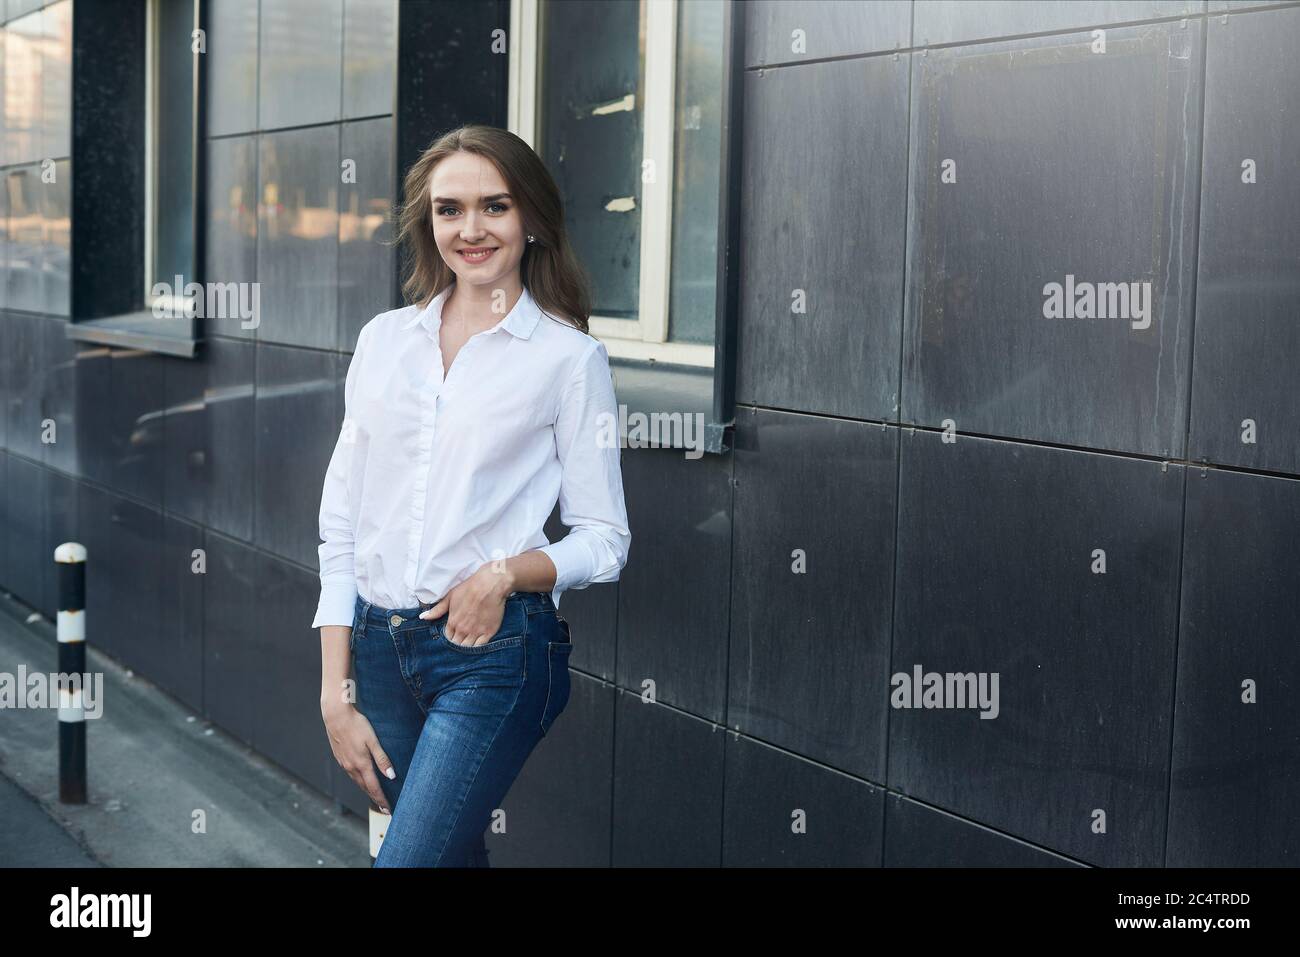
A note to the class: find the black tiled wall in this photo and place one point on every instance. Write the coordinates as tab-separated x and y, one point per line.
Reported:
934	463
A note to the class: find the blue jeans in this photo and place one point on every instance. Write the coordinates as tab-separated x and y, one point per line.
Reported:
457	722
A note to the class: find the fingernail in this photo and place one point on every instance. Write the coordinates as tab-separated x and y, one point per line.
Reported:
391	774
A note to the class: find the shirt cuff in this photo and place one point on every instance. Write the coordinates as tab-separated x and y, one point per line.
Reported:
338	604
572	560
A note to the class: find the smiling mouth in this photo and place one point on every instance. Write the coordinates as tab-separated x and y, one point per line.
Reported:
476	256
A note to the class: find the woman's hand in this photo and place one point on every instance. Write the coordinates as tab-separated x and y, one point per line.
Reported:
357	750
476	607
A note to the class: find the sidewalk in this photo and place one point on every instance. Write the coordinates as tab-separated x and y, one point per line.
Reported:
151	764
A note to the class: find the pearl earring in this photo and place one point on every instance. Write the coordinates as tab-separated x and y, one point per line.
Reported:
531	238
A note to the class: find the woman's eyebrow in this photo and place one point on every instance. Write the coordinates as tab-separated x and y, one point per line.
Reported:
482	199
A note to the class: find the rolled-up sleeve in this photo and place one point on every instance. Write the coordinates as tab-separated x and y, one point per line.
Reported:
591	483
338	584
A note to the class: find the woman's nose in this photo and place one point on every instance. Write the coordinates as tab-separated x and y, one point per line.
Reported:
471	232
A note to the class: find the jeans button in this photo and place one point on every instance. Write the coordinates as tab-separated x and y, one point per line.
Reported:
395	620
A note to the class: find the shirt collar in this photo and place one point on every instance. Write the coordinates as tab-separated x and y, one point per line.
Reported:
520	322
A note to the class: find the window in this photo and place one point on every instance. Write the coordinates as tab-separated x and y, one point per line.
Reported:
35	181
137	87
169	152
631	128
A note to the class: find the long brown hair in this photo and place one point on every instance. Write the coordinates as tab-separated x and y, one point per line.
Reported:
549	269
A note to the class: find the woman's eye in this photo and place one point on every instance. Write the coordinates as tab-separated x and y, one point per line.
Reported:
445	209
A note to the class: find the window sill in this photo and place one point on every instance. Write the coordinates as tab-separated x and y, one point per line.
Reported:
659	389
139	330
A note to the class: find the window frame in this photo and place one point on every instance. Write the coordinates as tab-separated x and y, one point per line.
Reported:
646	337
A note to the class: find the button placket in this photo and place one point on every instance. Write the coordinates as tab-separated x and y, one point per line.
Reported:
419	492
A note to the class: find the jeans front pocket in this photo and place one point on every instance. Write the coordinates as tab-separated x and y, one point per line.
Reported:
492	644
511	634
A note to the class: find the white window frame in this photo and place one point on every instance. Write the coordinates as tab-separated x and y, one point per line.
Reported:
175	304
646	336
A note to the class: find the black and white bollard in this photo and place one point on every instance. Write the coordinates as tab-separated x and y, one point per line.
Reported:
70	560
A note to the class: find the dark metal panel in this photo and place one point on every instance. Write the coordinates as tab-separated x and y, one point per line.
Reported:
231	226
133	569
672	610
559	810
1245	385
828	28
825	174
231	625
592	614
667	787
24	509
208	444
232	65
6	354
95	531
365	270
186	452
1236	780
178	666
5	564
951	21
59	385
24	367
136	423
921	836
228	407
93	418
285	690
996	555
369	57
784	811
1070	166
300	63
59	521
812	584
297	236
298	424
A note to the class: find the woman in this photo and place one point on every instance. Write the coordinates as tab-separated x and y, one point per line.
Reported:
467	416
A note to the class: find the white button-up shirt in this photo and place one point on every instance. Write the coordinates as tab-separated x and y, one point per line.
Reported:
431	479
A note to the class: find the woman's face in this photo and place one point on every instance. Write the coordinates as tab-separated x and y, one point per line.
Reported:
472	210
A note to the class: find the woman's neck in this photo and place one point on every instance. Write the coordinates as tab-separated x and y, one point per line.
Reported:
480	307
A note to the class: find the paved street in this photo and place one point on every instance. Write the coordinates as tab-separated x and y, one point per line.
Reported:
152	767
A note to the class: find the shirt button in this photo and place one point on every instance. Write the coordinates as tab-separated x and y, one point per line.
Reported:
395	620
